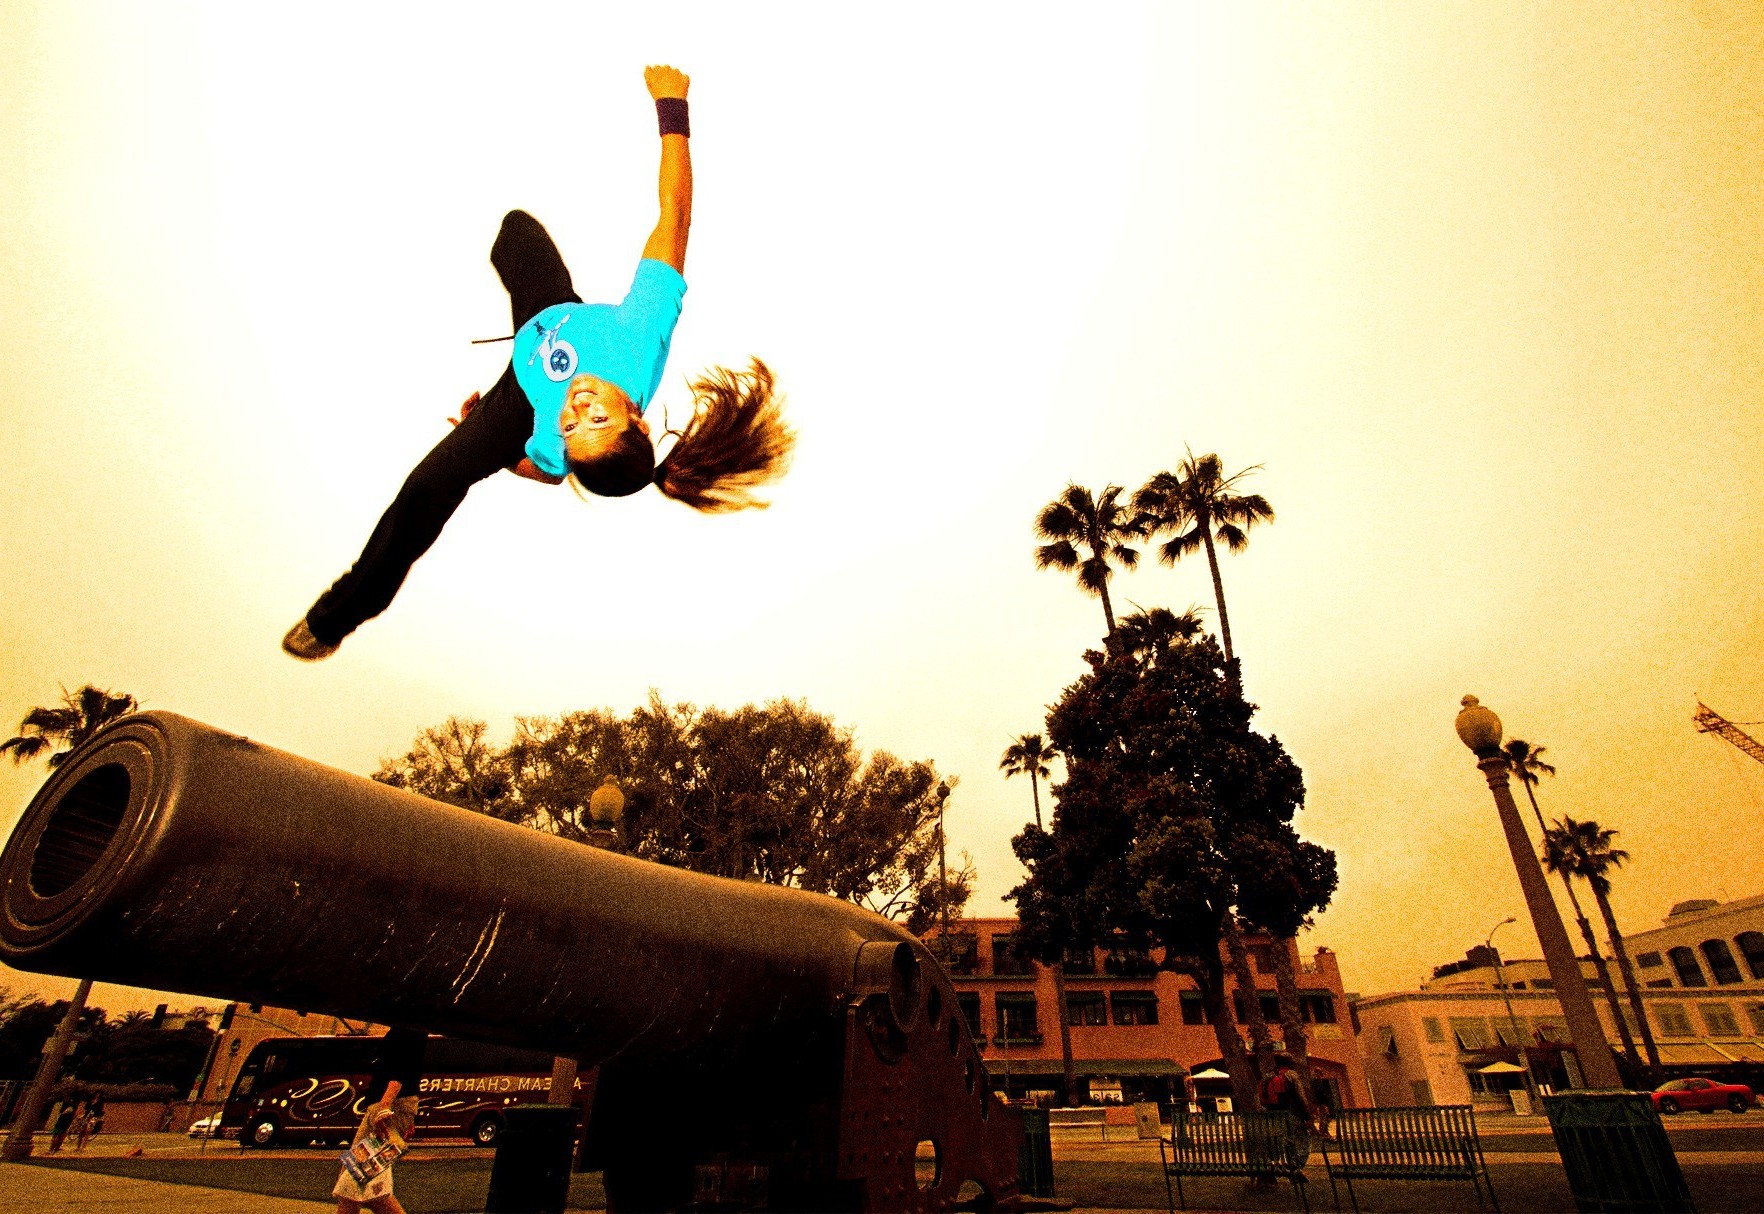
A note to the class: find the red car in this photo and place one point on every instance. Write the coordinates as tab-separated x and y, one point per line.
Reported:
1704	1095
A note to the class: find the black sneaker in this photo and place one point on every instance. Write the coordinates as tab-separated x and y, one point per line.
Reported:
300	643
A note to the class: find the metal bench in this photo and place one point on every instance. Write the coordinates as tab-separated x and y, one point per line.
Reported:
1093	1115
1257	1146
1436	1142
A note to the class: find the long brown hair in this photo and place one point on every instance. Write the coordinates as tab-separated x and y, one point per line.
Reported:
735	442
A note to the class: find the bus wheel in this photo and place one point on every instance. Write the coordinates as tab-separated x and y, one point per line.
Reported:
260	1132
486	1130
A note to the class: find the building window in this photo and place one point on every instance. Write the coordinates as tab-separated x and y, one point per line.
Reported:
1387	1042
1194	1008
1134	1007
1317	1009
1016	1016
1433	1030
1267	1001
1086	1007
1129	963
1672	1020
969	1002
963	952
1549	1031
1658	982
1007	959
1685	962
1079	961
1755	1013
1751	947
1718	1018
1720	959
1649	961
1263	955
1471	1034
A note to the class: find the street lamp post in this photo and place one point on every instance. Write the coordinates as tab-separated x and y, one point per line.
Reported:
606	811
1507	998
942	875
1480	730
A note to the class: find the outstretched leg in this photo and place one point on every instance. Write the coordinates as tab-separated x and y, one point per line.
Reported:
490	438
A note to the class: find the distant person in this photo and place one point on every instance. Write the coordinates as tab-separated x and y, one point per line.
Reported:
63	1121
1283	1090
392	1085
91	1125
571	403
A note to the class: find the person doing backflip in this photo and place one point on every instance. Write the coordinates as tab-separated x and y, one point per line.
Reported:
570	405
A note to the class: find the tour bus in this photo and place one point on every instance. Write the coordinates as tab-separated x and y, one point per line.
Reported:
296	1090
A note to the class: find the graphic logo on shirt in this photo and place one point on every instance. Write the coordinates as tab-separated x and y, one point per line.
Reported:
559	357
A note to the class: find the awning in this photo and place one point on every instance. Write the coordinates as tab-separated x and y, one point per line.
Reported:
1500	1068
1695	1053
1087	1068
1744	1051
1210	1073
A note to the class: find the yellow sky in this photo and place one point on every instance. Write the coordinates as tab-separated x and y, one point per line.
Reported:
1476	284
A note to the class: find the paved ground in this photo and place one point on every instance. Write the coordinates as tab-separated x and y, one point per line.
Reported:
1722	1158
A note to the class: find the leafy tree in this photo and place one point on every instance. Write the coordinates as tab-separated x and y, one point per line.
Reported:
79	715
1584	850
774	792
27	1029
1165	782
1028	756
1199	504
132	1051
452	762
1102	525
1528	766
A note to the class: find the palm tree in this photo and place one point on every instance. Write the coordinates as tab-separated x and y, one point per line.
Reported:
1583	849
1102	525
1146	633
1028	756
1528	766
1198	504
81	714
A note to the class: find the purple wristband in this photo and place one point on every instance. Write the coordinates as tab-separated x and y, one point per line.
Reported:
671	116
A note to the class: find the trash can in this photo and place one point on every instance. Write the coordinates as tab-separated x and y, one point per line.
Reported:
1616	1153
531	1171
1035	1155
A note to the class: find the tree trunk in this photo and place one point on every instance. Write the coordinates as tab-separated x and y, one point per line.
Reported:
1292	1018
1635	999
1232	937
1206	530
1068	1068
1592	943
1604	971
1210	978
1108	613
1036	793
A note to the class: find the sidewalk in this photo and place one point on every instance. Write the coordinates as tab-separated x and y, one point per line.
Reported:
29	1189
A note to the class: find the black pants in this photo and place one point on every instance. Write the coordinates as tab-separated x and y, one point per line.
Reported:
492	437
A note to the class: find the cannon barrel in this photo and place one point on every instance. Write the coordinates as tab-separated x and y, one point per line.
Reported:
169	854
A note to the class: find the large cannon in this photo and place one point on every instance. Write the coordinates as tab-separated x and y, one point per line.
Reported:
736	1026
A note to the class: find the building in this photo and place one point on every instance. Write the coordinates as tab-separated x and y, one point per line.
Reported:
1702	943
1458	1039
1136	1030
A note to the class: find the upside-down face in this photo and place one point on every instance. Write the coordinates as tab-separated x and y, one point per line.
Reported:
595	412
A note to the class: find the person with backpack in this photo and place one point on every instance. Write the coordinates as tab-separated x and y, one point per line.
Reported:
1283	1091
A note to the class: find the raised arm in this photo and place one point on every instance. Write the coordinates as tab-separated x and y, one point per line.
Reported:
668	242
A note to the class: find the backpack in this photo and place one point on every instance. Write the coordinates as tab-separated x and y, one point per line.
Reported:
1274	1091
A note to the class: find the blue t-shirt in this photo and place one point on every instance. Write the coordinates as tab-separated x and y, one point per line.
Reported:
625	344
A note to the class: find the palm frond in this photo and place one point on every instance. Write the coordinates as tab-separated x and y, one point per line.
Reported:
1056	556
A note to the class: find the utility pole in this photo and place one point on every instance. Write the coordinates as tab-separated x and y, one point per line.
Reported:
18	1143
